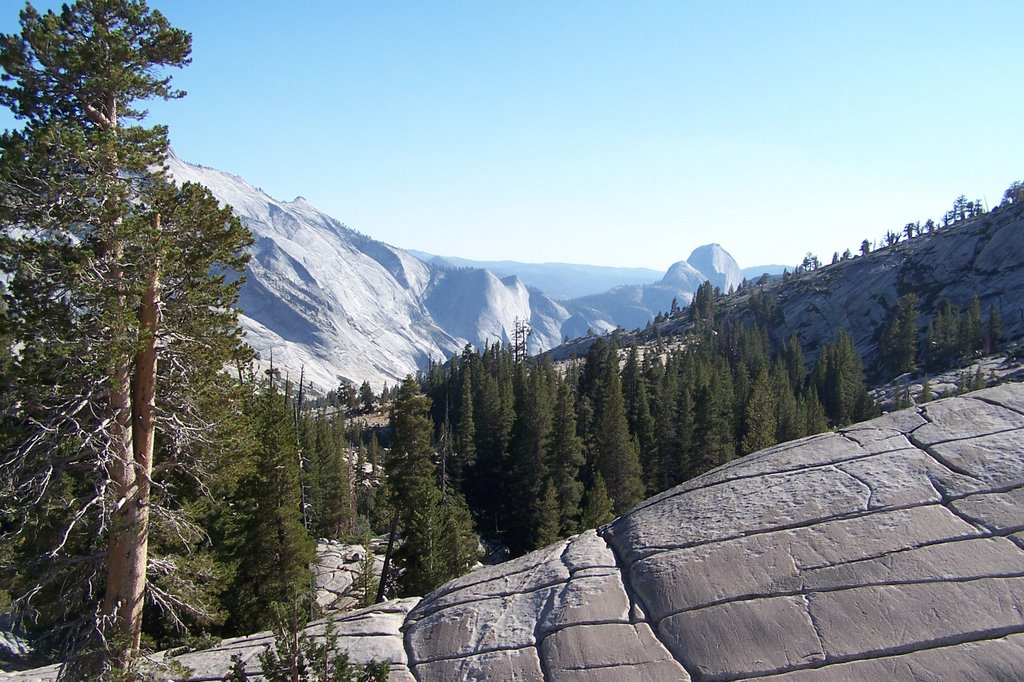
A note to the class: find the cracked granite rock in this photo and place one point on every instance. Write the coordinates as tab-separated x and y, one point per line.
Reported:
335	574
893	549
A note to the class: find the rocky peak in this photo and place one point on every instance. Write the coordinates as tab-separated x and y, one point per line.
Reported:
720	268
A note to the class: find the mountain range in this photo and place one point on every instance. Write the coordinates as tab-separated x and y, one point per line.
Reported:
560	281
325	300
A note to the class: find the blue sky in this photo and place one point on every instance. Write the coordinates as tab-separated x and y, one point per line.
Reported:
614	133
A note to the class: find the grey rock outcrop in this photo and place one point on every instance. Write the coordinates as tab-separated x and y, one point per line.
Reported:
983	256
368	635
336	574
892	549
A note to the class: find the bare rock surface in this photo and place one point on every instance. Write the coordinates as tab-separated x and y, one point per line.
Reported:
372	634
892	549
336	571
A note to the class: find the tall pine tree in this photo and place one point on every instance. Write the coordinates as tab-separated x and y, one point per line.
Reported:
760	415
567	460
111	274
415	498
265	536
616	454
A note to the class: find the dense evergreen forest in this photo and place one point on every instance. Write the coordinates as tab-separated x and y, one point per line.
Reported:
541	451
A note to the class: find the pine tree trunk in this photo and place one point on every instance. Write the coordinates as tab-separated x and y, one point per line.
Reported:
129	534
382	588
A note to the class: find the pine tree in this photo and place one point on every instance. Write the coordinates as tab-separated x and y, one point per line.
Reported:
421	555
813	412
789	421
714	429
85	215
839	379
486	491
741	389
683	465
312	495
943	343
547	530
415	498
902	399
335	514
465	435
639	418
760	415
616	451
566	460
410	473
366	581
993	330
366	397
373	454
972	331
266	538
898	343
528	458
598	508
298	657
667	424
794	361
460	545
702	307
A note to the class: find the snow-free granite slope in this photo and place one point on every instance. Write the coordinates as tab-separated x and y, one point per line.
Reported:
983	257
326	301
893	549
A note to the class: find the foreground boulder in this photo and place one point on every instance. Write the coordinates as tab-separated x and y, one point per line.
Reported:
892	549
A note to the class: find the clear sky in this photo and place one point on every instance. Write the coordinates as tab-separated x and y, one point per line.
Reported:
613	133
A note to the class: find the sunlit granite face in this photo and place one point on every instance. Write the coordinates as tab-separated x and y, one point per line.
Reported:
892	549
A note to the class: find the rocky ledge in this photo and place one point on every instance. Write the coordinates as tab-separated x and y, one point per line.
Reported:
893	549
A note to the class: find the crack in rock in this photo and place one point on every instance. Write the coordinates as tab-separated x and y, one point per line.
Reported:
654	550
896	652
635	601
930	451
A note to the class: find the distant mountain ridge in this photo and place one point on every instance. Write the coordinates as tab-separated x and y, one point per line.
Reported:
560	281
772	270
323	299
